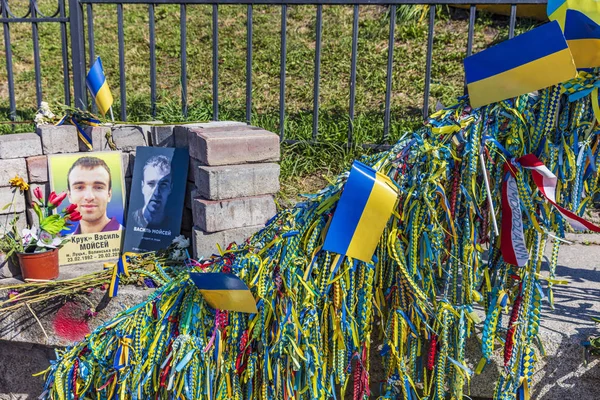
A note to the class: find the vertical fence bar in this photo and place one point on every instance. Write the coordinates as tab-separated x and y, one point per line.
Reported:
513	20
36	54
388	80
183	50
353	72
91	46
472	14
249	66
9	68
65	55
282	72
152	60
319	29
77	54
122	62
215	49
429	60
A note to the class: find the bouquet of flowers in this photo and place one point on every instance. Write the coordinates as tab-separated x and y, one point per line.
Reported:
48	235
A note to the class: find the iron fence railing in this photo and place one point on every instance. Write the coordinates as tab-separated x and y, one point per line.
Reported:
78	9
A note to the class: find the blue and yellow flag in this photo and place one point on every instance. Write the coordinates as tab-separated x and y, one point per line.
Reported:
362	213
557	9
531	61
225	292
583	38
98	86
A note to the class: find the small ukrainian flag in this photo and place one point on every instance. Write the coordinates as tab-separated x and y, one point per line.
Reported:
362	213
583	38
534	60
557	9
98	86
225	292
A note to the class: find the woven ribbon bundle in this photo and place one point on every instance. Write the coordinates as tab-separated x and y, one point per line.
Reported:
437	278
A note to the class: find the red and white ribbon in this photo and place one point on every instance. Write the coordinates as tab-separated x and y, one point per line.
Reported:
512	241
546	181
514	250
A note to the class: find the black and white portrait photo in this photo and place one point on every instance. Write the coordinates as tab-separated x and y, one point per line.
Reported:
156	198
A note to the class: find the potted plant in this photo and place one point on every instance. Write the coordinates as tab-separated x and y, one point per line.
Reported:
37	247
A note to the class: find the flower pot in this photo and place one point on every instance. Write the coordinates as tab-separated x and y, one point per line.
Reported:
39	266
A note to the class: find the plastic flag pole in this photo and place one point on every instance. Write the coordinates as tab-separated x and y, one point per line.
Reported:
111	114
489	193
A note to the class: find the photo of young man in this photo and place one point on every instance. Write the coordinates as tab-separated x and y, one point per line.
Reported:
156	188
89	184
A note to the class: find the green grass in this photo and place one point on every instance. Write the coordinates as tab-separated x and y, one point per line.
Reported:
299	162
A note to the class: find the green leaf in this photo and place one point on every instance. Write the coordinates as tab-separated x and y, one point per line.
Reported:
37	210
6	206
53	224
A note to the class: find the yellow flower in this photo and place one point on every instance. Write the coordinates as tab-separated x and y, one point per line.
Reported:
18	182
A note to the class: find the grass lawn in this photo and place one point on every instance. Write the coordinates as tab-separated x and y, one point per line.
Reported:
299	174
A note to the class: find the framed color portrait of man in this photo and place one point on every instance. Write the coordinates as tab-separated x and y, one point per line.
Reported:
94	182
157	197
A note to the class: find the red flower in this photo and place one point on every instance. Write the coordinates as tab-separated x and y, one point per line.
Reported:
52	196
74	216
37	192
57	199
70	208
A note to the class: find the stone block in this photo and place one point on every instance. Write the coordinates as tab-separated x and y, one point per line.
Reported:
182	132
214	216
32	218
9	267
10	195
6	221
128	137
162	136
231	181
20	145
59	139
127	161
98	135
11	167
37	169
205	244
192	167
45	187
233	145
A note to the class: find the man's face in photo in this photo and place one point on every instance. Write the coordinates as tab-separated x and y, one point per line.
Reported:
156	187
89	189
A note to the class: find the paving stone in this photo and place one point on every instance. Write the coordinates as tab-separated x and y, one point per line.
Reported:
231	181
128	137
10	195
20	145
205	244
59	139
182	132
214	216
98	135
11	167
233	145
9	268
162	136
37	169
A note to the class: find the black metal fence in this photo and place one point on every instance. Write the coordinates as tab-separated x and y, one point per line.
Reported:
78	9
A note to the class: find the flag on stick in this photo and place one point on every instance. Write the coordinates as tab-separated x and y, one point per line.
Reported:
98	86
531	61
362	213
225	292
583	38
